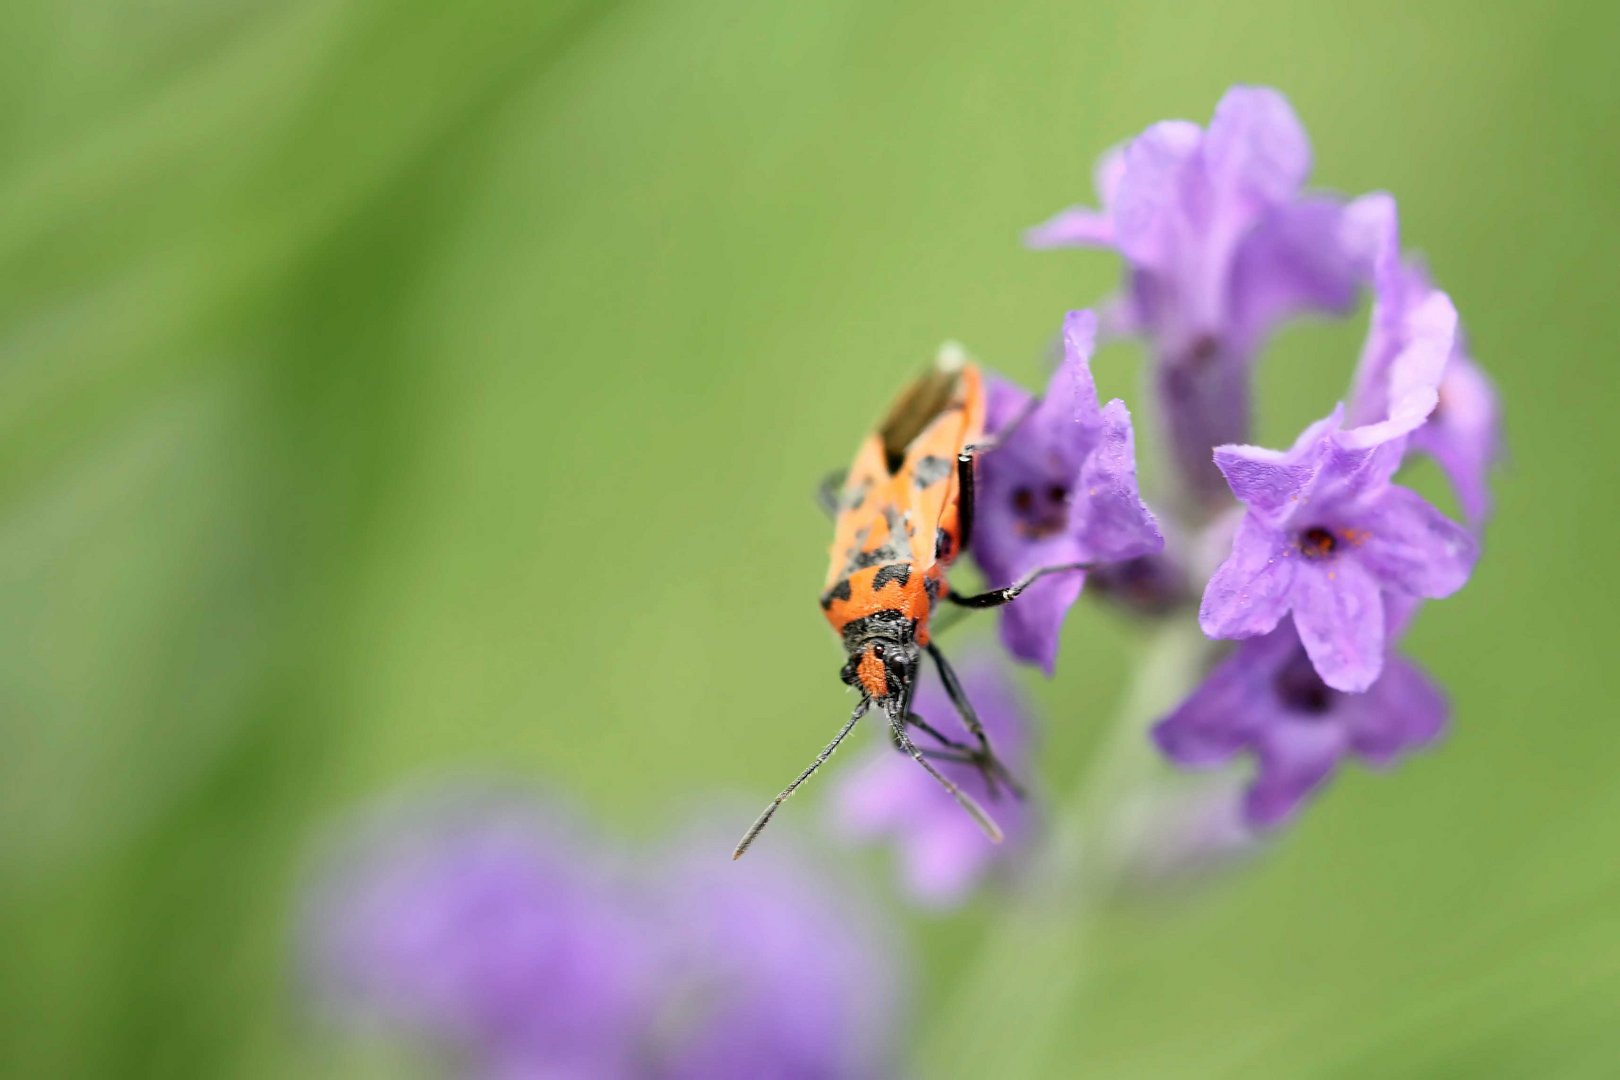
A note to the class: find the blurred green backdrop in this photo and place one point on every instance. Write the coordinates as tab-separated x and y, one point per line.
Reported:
388	388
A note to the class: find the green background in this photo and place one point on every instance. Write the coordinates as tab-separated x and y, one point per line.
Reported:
393	389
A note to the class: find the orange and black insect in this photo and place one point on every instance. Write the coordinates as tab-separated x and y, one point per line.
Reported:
904	513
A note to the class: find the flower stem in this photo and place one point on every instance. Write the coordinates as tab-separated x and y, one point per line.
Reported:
1018	996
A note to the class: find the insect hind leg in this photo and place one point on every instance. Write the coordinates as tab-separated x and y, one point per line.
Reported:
984	758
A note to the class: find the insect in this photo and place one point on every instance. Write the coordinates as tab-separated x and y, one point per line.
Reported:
903	513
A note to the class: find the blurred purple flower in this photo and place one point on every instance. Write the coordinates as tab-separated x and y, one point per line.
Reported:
488	931
1326	534
1267	699
1463	432
943	854
772	970
478	923
1060	487
1221	247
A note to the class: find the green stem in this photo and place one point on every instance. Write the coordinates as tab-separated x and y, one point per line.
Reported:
1018	996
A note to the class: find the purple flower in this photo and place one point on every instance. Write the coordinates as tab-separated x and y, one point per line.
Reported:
1221	246
1326	535
486	929
943	854
774	970
477	923
1267	699
1463	432
1060	487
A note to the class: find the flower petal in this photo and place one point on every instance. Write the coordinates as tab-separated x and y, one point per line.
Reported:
1030	625
1149	205
1256	144
1463	434
1250	591
1403	711
1107	514
1292	263
1227	709
1295	758
1415	549
1078	226
1340	615
1274	483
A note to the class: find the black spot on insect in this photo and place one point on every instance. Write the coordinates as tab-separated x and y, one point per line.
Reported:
839	591
942	544
877	557
896	572
931	587
930	471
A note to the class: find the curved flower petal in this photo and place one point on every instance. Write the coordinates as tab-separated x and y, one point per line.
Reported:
1295	758
1249	592
1078	226
1107	514
1463	433
1257	145
1148	210
1340	615
1274	483
1227	710
1292	263
1030	625
1414	548
1402	711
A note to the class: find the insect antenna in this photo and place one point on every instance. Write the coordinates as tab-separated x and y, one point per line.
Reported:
764	819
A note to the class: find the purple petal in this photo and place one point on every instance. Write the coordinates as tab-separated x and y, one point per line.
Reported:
1274	483
1413	380
1257	145
1149	205
1413	548
1107	514
1294	759
1250	592
1292	263
1226	711
1078	226
1340	615
1403	711
1072	388
1463	434
1030	625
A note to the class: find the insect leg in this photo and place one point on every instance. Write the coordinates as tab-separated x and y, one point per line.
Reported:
963	799
997	597
964	471
964	496
985	758
764	819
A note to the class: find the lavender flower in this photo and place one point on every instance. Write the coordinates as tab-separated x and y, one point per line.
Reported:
1060	487
1267	699
1463	432
1221	246
1326	534
943	855
485	929
478	924
772	970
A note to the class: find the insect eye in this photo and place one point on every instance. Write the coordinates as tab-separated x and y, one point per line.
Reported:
878	651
